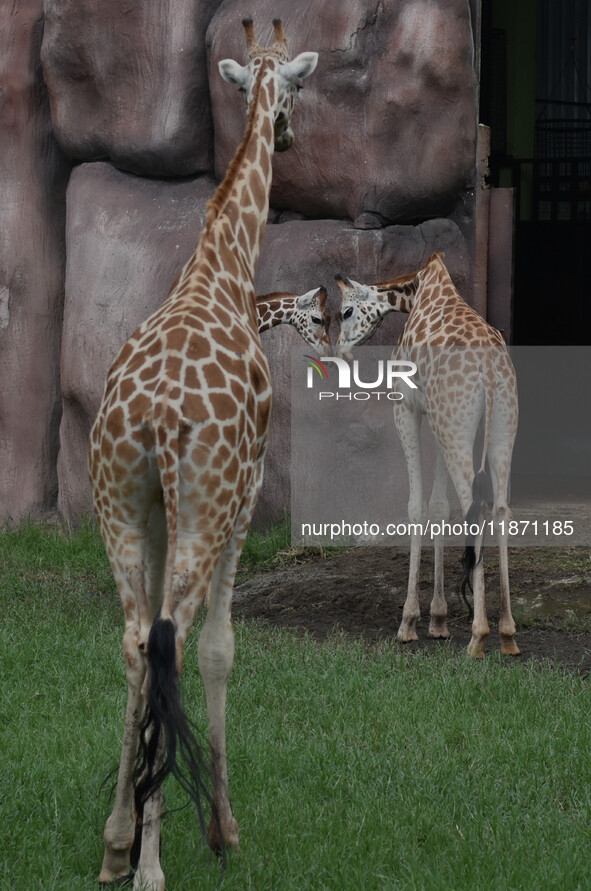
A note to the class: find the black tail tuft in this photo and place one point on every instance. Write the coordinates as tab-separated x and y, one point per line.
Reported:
166	720
476	513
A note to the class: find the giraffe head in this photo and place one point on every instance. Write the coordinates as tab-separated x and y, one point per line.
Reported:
363	307
288	76
361	313
312	321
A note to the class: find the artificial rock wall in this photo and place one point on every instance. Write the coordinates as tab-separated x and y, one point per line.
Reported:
124	106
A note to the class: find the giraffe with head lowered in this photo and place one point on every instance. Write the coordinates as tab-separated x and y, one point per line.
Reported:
305	312
463	374
176	463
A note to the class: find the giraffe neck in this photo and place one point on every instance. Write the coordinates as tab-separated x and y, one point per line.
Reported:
399	292
240	207
275	309
236	215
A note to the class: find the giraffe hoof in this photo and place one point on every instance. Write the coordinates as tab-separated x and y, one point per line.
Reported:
151	879
116	881
476	651
407	632
438	631
509	646
228	837
407	636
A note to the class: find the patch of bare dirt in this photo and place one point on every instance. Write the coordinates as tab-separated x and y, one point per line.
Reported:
362	592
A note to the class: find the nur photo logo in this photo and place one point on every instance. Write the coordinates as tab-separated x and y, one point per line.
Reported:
388	373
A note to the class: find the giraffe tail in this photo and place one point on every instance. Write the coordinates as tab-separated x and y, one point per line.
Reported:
475	516
481	483
168	743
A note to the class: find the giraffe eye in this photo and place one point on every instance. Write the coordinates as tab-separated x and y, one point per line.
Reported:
317	321
348	312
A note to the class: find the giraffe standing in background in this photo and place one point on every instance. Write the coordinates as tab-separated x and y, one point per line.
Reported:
464	373
176	462
305	312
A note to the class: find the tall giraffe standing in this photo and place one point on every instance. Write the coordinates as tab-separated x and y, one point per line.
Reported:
176	462
305	312
464	373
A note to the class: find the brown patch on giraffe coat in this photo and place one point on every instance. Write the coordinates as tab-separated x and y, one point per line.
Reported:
124	355
201	454
136	363
221	457
225	257
259	377
173	367
192	381
265	165
151	371
127	452
231	471
115	423
214	376
223	317
210	434
237	390
224	406
194	407
236	340
420	329
225	497
263	418
230	434
107	449
126	388
171	322
177	339
139	406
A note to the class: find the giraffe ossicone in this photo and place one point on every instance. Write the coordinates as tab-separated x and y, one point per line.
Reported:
464	376
176	462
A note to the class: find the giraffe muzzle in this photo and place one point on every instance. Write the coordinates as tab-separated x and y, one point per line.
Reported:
283	134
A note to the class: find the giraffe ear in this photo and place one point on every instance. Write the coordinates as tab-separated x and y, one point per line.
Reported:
306	299
362	292
300	67
233	73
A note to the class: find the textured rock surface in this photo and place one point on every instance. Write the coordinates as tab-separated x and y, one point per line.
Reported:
128	82
385	126
32	185
384	133
127	239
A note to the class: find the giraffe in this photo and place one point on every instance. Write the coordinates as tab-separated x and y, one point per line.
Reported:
464	373
176	461
305	312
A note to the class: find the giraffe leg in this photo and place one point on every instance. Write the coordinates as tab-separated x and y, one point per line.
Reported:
216	657
506	623
149	875
499	460
439	513
480	626
136	588
408	424
458	459
120	828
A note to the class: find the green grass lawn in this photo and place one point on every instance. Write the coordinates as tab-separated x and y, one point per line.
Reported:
350	766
